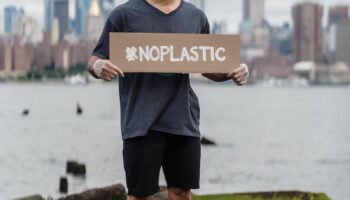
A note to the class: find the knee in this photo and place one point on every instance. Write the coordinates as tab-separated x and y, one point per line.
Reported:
179	194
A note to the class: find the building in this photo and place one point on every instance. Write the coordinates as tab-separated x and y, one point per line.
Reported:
23	56
261	37
48	14
281	39
254	12
29	30
57	9
340	43
81	13
12	15
61	12
271	64
55	32
107	7
337	13
246	32
68	54
252	31
198	3
44	51
5	56
219	27
61	55
8	22
95	20
307	33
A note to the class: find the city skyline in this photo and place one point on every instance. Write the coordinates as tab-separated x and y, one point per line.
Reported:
277	12
268	49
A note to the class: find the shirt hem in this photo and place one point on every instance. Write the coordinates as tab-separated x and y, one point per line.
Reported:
140	133
101	56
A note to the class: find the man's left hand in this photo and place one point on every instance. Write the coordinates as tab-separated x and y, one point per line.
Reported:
240	75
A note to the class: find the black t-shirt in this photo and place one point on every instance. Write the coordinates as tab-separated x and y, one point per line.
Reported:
151	101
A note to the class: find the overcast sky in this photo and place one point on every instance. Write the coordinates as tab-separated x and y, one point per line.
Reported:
277	11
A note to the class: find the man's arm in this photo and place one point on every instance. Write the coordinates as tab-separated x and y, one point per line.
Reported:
103	69
217	77
239	76
91	64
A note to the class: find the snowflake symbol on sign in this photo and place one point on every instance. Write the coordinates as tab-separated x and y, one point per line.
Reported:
131	53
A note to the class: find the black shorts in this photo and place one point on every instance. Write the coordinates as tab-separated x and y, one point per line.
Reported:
179	157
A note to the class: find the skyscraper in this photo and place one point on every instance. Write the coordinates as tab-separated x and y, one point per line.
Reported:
307	33
254	12
199	3
81	14
48	15
106	7
337	13
95	20
5	56
61	12
340	38
12	16
29	30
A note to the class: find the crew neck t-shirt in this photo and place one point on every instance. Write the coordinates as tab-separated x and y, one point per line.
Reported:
155	101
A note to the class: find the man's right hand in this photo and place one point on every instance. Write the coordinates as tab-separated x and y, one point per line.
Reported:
106	70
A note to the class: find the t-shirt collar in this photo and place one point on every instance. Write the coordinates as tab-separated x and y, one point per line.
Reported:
161	12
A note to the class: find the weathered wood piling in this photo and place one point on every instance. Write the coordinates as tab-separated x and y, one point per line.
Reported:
63	185
75	168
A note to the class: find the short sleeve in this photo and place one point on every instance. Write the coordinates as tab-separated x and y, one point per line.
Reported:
102	48
205	26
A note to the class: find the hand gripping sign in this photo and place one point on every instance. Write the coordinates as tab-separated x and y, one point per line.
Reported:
175	53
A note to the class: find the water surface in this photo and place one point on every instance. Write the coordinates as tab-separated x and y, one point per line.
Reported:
269	138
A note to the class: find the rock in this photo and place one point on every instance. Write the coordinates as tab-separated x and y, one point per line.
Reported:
75	168
115	192
33	197
63	185
25	112
288	195
162	194
79	109
207	141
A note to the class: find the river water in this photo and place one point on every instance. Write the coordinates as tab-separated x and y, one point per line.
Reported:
269	138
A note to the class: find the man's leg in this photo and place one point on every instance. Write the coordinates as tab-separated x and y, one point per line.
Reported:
135	198
181	166
179	194
142	163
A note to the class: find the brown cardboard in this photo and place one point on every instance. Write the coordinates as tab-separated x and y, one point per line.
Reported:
153	52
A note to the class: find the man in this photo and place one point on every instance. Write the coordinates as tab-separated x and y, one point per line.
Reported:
159	112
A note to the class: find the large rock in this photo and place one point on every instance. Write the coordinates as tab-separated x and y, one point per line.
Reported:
115	192
289	195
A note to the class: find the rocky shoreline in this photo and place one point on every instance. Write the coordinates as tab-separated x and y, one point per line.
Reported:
118	192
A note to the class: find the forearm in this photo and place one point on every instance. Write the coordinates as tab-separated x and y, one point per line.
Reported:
91	63
217	77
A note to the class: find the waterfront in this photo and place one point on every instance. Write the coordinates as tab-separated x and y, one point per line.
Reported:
269	138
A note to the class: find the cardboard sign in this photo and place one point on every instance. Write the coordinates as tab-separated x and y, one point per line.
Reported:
175	53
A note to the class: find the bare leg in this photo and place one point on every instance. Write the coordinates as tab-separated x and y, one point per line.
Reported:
179	194
135	198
